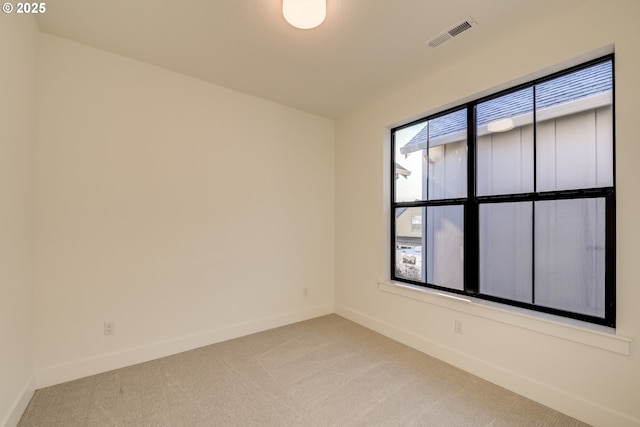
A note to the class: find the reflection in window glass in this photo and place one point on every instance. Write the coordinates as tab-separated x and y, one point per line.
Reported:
505	144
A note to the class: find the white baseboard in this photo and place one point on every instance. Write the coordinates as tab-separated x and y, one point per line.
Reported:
21	403
52	375
560	400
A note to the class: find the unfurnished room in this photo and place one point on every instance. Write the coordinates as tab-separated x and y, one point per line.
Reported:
319	213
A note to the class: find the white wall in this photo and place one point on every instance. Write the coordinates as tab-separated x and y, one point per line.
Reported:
543	360
18	43
185	212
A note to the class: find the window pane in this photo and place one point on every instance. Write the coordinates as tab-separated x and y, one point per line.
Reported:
409	237
506	249
447	156
431	159
570	255
444	246
574	120
505	144
410	163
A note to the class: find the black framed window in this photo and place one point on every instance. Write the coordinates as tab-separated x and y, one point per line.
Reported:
511	197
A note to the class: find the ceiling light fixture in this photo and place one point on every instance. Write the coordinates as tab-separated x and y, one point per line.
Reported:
304	14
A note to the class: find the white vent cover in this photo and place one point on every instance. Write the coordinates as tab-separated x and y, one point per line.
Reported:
455	30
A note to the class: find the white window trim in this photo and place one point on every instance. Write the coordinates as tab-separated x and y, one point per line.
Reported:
601	337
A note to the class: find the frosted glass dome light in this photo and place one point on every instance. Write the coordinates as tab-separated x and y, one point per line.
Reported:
304	14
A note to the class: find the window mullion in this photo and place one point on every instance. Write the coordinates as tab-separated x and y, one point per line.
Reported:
392	191
533	203
471	229
610	251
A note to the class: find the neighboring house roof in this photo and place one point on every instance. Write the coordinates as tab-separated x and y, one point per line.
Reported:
401	171
577	85
400	211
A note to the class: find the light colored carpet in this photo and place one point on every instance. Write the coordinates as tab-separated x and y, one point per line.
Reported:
322	372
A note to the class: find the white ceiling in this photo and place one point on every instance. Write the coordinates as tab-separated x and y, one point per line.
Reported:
364	47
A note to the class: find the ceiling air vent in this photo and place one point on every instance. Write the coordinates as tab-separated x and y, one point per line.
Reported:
456	30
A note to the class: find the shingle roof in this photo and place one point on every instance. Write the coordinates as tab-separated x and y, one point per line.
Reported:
582	83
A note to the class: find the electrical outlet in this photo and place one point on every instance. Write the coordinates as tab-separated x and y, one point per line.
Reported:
458	327
109	328
305	292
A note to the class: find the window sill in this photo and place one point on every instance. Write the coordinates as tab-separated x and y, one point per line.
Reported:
580	332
